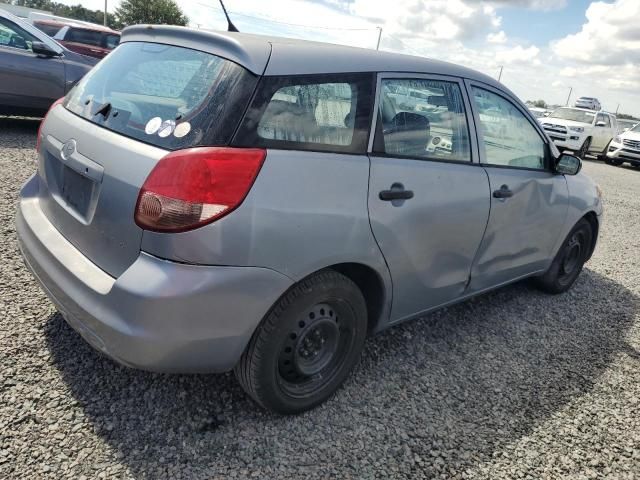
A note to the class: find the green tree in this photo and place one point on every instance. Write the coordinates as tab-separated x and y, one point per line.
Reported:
167	12
540	104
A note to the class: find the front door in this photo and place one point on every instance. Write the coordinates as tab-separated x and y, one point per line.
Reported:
428	199
528	201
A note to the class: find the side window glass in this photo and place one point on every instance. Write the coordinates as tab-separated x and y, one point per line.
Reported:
13	36
310	113
509	139
424	119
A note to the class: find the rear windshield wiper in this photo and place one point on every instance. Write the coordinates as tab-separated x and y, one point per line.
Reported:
103	110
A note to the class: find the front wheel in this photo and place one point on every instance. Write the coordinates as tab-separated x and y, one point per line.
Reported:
306	346
568	263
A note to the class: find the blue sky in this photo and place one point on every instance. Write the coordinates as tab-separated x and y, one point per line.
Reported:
546	47
540	26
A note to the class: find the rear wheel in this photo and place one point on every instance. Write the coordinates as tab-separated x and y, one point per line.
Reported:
307	344
568	263
584	149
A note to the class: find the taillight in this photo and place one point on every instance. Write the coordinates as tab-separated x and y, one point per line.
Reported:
190	188
39	137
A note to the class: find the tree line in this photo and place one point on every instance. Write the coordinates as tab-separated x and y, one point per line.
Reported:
130	12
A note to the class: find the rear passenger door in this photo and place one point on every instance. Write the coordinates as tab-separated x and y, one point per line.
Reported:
528	201
428	196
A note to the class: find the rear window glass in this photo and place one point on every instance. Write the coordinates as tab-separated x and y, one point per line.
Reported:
87	37
310	112
168	96
47	28
111	41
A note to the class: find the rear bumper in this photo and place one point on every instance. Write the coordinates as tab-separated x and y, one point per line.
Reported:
158	315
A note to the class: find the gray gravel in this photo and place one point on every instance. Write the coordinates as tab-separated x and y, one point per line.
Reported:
514	384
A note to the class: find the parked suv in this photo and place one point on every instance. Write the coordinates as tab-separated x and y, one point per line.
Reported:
625	148
588	102
95	41
580	130
214	201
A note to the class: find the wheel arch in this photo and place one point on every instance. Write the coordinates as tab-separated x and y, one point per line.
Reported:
372	286
592	218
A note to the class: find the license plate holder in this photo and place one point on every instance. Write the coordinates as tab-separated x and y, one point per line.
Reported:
76	190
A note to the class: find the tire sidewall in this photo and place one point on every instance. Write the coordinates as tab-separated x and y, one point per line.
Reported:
271	392
551	279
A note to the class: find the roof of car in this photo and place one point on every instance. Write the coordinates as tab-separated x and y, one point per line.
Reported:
83	26
287	56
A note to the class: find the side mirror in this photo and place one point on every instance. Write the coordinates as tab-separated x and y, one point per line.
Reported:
568	164
40	48
601	124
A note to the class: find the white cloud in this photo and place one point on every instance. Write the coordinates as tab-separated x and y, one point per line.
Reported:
499	37
518	54
611	35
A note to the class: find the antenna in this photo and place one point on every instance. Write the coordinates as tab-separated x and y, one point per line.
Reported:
230	26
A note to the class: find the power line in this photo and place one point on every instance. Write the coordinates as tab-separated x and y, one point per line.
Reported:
264	19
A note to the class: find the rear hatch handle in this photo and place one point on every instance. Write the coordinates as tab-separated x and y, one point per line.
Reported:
70	156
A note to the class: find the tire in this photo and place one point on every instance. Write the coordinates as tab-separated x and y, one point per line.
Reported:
306	345
584	149
568	262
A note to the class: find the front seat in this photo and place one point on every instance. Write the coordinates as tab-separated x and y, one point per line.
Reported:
407	134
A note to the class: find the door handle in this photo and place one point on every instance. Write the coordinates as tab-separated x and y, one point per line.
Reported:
504	192
397	192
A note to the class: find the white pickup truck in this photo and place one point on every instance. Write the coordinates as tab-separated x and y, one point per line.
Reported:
581	130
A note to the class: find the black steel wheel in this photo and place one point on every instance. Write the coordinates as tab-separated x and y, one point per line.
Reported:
568	263
306	346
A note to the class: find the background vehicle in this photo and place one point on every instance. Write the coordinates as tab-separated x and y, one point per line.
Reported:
580	130
625	148
34	69
625	124
80	37
588	102
95	41
263	204
539	112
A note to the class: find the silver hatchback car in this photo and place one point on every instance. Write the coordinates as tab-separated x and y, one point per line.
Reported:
215	201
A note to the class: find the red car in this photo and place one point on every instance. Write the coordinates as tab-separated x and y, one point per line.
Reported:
86	39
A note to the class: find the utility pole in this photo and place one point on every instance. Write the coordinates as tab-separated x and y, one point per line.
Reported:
500	74
379	37
105	13
617	108
570	90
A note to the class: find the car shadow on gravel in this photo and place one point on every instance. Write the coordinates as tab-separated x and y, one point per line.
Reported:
19	132
448	391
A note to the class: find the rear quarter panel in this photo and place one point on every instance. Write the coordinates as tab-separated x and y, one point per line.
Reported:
306	211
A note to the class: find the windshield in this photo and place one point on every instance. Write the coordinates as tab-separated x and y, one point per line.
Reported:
573	115
167	96
635	129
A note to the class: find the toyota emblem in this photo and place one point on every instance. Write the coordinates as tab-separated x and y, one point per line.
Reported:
68	149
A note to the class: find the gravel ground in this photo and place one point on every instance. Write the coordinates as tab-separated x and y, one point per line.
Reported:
514	384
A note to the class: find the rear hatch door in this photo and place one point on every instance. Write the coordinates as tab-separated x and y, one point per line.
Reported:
98	147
